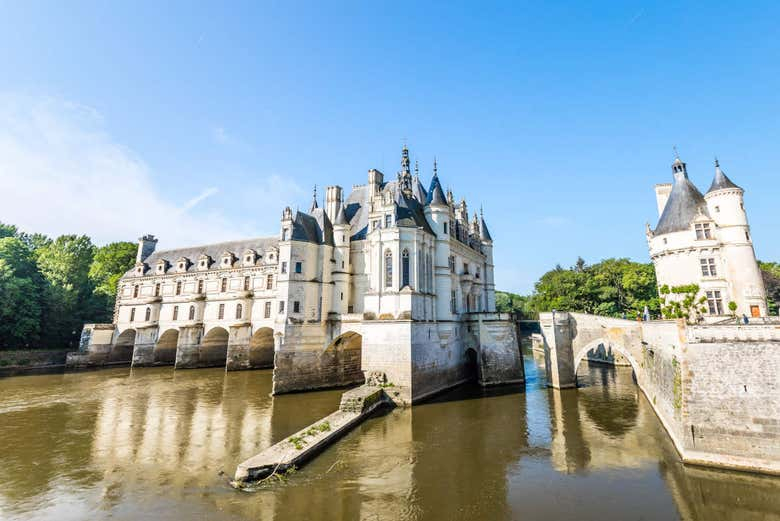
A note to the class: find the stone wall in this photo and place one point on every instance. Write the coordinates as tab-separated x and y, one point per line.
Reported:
715	388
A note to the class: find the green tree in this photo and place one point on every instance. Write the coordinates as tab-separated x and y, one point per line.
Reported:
8	230
770	271
108	265
512	303
21	288
64	263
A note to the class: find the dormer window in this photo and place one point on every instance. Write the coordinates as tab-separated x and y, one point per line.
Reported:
204	261
703	231
161	265
249	257
139	270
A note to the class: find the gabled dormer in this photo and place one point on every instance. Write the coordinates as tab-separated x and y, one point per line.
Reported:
204	262
703	227
249	257
140	269
182	264
226	260
160	267
271	256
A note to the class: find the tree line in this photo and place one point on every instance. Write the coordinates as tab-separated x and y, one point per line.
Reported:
612	287
49	288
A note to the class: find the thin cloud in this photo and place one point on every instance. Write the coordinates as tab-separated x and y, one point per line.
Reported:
639	14
61	173
555	221
205	194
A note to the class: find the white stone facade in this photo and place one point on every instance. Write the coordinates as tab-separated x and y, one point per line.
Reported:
706	240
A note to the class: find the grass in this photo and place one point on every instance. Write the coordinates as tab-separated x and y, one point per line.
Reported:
299	441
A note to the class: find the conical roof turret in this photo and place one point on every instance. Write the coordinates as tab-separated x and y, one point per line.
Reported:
720	181
684	204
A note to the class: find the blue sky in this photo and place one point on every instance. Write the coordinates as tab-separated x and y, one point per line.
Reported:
200	122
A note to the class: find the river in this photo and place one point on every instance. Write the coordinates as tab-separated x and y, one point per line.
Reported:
148	444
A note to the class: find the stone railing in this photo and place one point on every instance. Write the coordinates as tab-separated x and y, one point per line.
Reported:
733	333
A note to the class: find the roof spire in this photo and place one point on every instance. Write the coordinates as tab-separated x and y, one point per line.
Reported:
676	155
314	205
720	181
416	168
405	175
435	167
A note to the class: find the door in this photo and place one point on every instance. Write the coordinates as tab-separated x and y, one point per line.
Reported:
755	311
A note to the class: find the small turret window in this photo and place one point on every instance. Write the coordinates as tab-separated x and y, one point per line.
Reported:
148	314
175	312
388	269
132	314
269	282
178	288
247	282
157	290
388	221
200	286
405	269
135	291
223	287
192	312
221	313
445	227
239	311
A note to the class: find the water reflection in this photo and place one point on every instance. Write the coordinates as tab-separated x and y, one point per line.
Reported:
149	443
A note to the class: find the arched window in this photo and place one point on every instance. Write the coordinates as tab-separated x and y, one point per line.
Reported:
175	312
221	312
135	291
388	269
148	314
132	314
405	268
178	288
224	285
239	310
192	312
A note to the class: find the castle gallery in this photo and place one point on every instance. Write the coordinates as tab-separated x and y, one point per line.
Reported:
393	282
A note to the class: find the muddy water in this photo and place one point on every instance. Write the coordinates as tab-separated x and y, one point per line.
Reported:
148	444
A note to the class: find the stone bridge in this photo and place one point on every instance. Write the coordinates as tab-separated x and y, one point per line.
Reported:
715	388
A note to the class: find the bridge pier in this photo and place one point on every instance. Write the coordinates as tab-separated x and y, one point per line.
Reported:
559	350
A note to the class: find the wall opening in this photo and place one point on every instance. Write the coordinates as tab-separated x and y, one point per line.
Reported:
122	351
165	349
213	348
472	365
261	348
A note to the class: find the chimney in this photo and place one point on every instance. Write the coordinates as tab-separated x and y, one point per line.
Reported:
146	246
662	192
332	201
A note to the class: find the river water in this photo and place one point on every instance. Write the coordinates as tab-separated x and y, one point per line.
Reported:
149	444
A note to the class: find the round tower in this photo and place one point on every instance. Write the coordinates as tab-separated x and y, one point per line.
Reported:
342	269
725	202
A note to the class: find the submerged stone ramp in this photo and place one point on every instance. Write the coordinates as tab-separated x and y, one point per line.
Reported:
295	450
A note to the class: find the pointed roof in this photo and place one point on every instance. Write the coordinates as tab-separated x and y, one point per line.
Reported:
314	205
720	182
684	204
341	217
435	192
484	233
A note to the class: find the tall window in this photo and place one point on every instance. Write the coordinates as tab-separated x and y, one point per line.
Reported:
296	307
175	312
298	267
388	221
451	261
388	269
708	268
267	313
405	268
246	283
269	282
148	314
714	302
132	314
453	302
223	287
703	231
284	266
445	227
477	274
200	286
239	310
281	306
221	314
285	233
157	290
135	291
192	312
178	288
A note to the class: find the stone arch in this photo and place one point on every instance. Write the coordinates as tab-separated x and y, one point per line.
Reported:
165	348
345	353
261	349
581	354
213	347
122	350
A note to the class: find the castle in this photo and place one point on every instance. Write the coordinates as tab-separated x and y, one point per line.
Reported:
393	282
705	240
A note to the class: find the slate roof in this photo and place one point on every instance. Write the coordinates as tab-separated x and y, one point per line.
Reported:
684	204
315	228
483	229
720	181
260	245
435	193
